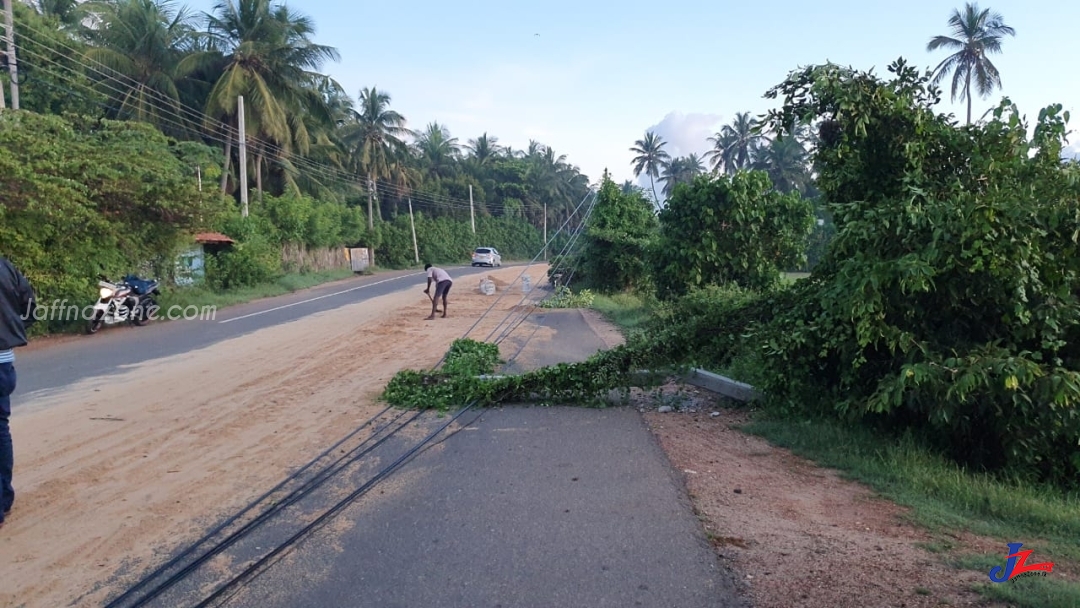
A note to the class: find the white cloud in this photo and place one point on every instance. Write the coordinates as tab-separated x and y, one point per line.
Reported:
1072	151
685	134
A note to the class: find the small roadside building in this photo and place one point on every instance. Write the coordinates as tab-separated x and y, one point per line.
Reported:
191	264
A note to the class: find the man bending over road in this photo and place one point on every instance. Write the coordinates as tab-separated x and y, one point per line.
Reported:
442	286
16	312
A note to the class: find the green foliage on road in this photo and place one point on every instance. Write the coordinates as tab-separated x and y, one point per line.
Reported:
564	297
947	305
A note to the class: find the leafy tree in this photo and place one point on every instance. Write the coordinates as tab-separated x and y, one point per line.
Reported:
86	196
483	150
976	34
728	229
613	253
438	150
948	300
52	79
786	160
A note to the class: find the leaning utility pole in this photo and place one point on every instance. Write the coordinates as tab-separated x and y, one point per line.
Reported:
13	68
416	250
243	158
545	231
472	215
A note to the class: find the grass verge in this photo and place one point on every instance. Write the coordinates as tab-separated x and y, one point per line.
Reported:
947	499
943	498
202	297
627	311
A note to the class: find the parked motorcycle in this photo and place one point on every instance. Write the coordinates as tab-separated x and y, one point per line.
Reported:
131	300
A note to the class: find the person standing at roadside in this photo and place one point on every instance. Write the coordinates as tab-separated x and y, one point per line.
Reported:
16	314
442	286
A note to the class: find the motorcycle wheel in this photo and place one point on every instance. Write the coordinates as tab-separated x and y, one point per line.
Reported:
95	323
144	312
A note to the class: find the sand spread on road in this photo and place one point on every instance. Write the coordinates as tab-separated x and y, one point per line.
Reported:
117	472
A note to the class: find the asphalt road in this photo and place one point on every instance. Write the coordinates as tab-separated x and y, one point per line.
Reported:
518	507
45	369
524	507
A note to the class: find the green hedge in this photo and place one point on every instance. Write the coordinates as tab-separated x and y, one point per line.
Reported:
447	241
80	196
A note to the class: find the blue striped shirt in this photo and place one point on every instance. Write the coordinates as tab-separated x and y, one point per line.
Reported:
7	356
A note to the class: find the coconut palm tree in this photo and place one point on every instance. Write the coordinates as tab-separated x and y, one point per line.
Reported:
483	149
144	40
70	13
375	140
437	150
976	34
651	159
732	144
785	159
269	58
681	170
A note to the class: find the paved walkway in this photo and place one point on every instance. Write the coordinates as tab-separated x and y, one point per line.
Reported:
526	506
523	506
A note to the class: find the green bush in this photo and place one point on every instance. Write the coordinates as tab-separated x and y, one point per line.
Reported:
729	229
254	259
81	197
612	254
947	301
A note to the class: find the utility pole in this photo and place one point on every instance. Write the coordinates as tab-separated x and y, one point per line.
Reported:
416	250
472	214
13	68
545	231
243	158
198	172
370	208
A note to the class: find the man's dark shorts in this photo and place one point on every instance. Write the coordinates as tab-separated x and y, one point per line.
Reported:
442	288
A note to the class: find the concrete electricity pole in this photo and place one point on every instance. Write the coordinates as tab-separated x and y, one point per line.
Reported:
472	215
243	158
416	250
13	68
545	231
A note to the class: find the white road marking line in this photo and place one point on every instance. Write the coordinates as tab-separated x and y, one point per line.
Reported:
329	295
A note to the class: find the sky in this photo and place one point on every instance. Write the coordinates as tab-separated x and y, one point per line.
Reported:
589	78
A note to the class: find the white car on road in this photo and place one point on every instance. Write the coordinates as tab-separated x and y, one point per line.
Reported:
486	256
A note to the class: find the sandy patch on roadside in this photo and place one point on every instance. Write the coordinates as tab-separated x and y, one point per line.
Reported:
798	536
120	469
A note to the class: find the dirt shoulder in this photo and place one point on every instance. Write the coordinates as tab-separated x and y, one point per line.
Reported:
115	472
796	534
